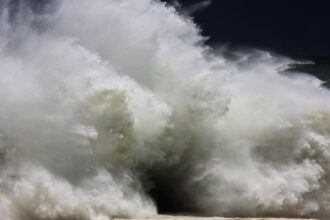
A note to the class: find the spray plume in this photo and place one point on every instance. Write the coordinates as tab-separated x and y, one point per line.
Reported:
117	108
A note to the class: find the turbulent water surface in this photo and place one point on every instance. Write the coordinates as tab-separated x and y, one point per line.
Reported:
117	108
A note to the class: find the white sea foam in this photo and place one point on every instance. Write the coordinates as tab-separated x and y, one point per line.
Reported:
101	100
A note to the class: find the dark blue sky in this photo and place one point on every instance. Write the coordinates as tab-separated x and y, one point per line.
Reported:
291	27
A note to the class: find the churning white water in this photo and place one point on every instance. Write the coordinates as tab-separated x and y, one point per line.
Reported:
116	107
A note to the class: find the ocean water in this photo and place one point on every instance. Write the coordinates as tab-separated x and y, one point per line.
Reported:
118	108
316	66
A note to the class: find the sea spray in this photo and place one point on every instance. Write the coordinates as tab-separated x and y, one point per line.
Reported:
117	108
